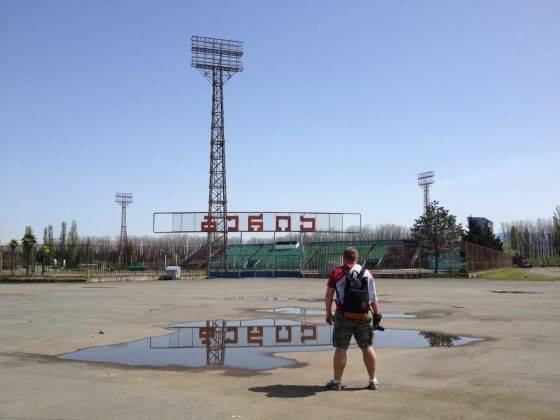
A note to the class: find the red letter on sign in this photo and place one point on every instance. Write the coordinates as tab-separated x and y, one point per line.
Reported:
235	335
283	340
256	223
208	225
303	220
235	227
288	227
255	335
206	333
313	330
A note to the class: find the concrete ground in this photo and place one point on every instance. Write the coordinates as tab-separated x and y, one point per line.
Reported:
516	373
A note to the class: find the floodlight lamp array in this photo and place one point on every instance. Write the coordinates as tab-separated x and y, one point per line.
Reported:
216	54
426	178
123	198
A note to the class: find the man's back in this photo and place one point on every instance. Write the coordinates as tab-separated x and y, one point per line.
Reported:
338	279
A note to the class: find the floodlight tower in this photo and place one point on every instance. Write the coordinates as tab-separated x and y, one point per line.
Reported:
124	200
218	60
425	181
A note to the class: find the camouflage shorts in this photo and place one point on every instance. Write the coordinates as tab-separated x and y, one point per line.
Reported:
344	328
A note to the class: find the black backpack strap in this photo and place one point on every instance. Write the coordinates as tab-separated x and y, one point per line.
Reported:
348	277
362	272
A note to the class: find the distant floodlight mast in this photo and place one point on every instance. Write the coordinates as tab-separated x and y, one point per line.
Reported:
425	181
218	60
124	200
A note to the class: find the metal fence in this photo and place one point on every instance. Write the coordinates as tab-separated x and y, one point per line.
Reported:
480	258
313	259
92	260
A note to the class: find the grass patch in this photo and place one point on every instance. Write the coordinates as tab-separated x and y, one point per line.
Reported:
513	274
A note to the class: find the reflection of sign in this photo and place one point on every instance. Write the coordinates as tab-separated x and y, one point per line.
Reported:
257	222
283	334
308	333
256	335
234	338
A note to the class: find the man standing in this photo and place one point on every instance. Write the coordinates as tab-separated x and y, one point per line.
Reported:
355	297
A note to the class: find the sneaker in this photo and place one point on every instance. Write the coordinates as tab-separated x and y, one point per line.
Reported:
373	385
334	385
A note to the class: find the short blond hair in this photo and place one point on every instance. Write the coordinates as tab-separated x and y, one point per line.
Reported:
350	253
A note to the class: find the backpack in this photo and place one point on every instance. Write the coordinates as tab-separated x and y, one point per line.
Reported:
356	293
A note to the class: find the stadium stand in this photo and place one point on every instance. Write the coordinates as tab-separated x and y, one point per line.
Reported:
318	259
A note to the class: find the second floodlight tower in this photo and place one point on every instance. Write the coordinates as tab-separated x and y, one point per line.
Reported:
425	181
218	60
123	200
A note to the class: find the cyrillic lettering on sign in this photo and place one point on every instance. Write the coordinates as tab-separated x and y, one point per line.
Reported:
235	226
208	225
287	226
307	224
256	223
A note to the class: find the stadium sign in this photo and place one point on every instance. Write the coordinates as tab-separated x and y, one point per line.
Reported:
264	221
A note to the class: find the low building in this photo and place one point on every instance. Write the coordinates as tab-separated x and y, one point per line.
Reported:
482	222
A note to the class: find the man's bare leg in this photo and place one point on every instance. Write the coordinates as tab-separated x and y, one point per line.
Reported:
339	363
370	360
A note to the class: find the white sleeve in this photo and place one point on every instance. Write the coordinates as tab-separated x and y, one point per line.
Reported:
371	288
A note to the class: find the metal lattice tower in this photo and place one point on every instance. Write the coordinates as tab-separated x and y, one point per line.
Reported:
216	347
124	200
425	181
218	60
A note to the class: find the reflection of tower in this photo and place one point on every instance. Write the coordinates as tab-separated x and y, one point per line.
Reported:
215	346
218	60
124	199
425	181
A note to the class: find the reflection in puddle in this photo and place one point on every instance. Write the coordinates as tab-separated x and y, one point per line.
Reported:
311	299
267	298
244	344
439	340
297	310
517	292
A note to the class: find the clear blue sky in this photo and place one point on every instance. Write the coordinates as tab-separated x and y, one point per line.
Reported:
340	105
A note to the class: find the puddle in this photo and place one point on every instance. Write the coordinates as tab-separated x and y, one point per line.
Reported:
297	310
311	299
266	298
517	292
248	345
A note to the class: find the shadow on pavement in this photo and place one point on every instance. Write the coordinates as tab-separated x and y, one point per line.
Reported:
294	391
